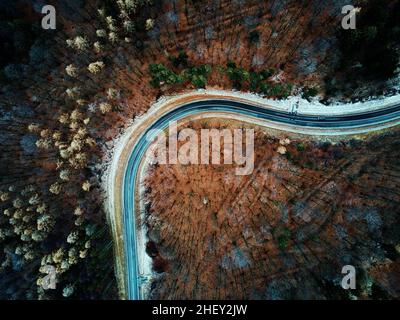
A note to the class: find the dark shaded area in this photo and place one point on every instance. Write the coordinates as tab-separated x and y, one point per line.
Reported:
371	49
19	27
369	54
29	58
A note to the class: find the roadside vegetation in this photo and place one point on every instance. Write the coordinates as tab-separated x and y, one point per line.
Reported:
183	72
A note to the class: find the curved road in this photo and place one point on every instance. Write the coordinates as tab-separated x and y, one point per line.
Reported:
381	116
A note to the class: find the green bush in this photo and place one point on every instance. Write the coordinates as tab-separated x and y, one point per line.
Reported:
265	74
256	79
281	90
309	93
283	235
265	88
300	147
161	73
197	76
237	75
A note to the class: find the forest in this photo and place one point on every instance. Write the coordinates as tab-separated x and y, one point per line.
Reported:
285	231
67	94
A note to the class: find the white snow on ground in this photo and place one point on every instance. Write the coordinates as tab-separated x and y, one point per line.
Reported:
145	263
304	106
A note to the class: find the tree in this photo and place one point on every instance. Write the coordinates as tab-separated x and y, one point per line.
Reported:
80	44
73	92
96	67
65	175
72	71
149	24
73	237
86	186
129	26
112	94
113	37
79	161
111	24
68	291
101	33
105	107
55	188
197	75
98	47
161	74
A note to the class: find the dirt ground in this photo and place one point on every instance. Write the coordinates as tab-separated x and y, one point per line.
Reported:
284	231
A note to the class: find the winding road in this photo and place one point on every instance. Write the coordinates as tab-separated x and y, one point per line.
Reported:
124	215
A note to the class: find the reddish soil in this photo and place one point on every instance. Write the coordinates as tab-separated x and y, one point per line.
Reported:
283	232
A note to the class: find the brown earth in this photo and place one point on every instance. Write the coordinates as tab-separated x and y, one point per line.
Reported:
284	231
